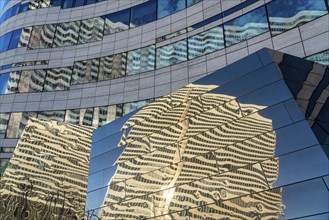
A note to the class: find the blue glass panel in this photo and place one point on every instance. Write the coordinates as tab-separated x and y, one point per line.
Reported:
15	39
7	14
4	41
169	7
79	3
192	2
118	21
15	10
247	26
67	3
3	83
285	15
105	160
143	13
56	3
90	2
24	7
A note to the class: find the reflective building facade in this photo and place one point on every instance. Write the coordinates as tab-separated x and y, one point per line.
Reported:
249	141
47	176
89	62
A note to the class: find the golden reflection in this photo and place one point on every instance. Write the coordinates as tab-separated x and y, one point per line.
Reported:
196	154
47	176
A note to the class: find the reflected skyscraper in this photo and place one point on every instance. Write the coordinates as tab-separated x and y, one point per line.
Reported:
193	148
47	176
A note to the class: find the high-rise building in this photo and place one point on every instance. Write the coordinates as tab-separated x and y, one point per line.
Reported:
245	142
88	62
47	175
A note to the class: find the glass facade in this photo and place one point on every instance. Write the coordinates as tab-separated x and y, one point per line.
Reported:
285	15
141	60
205	42
49	170
233	144
171	54
247	26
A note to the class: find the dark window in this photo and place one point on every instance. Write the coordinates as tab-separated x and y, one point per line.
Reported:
56	3
4	41
143	13
67	3
79	3
24	7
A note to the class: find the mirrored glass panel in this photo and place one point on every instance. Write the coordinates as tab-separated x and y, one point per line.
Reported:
4	118
192	2
25	37
31	80
322	58
91	30
171	54
4	77
52	115
205	42
247	26
4	41
42	36
17	123
116	22
79	116
66	34
112	67
141	60
14	40
103	115
12	83
58	79
285	15
143	13
85	71
169	7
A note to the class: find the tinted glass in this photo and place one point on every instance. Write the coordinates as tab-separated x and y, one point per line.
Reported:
42	36
58	79
246	26
169	7
31	80
67	3
56	2
171	54
4	117
192	2
25	37
15	39
141	60
79	3
79	116
17	123
112	67
24	7
103	115
4	77
205	42
54	115
4	41
12	85
116	22
143	13
91	30
66	34
85	71
285	15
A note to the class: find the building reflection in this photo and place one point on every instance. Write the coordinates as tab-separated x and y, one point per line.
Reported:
195	153
47	175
